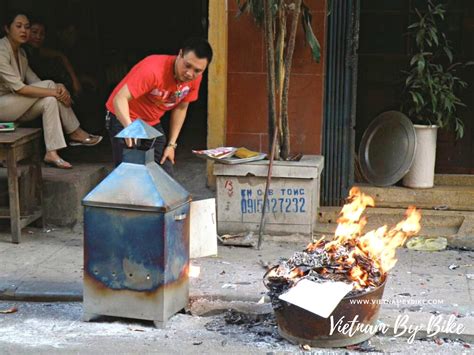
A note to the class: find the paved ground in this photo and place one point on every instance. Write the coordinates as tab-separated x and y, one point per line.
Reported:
47	266
56	328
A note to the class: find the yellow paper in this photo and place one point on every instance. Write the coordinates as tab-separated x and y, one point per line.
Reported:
245	153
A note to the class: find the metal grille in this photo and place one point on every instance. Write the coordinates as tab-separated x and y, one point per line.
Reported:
340	101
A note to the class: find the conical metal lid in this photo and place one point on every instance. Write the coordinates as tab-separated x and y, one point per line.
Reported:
138	187
139	129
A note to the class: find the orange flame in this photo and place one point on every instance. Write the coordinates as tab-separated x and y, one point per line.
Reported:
355	254
296	272
378	245
359	275
350	221
381	245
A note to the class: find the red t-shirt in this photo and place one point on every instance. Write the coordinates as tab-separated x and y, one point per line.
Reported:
154	89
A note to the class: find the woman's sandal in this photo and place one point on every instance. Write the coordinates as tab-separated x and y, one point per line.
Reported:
88	142
58	163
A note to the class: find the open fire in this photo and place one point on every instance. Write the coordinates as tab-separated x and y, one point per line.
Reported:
360	260
353	257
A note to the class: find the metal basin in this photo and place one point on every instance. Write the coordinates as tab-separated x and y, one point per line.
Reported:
387	149
300	326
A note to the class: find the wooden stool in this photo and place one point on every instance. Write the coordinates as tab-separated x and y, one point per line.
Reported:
22	145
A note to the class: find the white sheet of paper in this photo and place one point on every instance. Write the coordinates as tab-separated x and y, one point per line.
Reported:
203	228
317	298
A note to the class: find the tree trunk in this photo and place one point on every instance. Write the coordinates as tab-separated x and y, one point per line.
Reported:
270	51
285	147
280	67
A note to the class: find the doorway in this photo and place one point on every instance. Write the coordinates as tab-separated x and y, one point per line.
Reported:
385	51
103	40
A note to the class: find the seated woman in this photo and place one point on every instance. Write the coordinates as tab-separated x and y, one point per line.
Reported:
23	96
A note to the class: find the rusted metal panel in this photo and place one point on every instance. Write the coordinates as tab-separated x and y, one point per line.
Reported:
176	244
136	263
157	306
122	249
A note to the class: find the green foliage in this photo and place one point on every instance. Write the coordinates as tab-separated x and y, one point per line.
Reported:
431	85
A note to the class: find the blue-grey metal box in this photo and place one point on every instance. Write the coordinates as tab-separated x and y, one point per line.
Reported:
136	243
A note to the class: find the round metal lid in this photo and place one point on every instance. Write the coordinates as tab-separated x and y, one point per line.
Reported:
387	149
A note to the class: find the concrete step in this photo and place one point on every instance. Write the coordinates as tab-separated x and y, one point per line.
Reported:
455	193
63	191
454	179
434	223
456	226
391	216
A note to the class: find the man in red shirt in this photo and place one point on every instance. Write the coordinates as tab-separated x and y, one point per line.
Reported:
157	84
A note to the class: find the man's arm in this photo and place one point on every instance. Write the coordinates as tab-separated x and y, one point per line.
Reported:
178	115
122	110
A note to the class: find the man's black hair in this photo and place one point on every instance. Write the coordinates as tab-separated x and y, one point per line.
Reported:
38	20
199	46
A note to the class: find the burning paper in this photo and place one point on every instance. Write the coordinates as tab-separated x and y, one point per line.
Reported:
318	298
359	259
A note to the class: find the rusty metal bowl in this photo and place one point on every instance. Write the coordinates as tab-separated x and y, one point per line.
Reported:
300	326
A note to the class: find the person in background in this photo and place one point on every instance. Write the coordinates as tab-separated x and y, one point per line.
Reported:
49	63
24	96
73	42
157	84
79	45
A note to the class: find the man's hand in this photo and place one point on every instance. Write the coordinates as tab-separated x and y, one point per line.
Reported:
131	142
122	111
168	154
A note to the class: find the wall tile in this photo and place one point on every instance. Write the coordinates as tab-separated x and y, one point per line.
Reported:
232	5
247	100
247	110
245	45
246	103
264	143
247	140
305	110
300	142
303	62
316	5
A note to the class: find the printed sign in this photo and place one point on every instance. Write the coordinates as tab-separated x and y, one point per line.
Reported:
288	202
